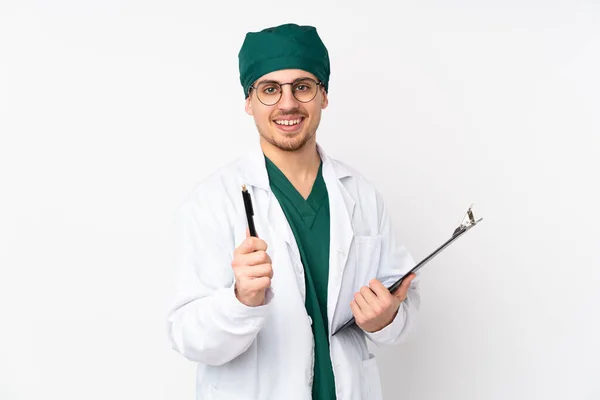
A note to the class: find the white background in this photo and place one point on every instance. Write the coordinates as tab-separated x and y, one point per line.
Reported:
111	111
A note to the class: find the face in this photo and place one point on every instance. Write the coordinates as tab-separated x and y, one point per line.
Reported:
289	124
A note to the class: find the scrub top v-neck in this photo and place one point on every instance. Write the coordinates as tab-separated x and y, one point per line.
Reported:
310	222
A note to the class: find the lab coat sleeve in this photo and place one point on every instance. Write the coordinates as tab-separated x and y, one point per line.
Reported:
395	261
206	322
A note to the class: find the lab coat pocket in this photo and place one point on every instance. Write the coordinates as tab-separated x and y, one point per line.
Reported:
367	250
372	389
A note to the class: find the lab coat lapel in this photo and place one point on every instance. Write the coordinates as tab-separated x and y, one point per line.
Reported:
341	210
254	174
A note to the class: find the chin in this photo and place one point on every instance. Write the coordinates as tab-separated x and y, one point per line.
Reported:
287	143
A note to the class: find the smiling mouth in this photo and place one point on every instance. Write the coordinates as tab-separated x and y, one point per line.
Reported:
289	122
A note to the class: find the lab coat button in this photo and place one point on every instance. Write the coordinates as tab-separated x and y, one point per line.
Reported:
310	319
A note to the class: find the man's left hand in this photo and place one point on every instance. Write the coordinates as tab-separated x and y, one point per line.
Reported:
374	307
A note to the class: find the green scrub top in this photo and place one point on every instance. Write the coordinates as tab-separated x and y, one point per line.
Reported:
309	221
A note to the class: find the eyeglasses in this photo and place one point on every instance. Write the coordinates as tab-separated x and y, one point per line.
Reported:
269	92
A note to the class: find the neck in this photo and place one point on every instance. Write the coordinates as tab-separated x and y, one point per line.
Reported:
299	166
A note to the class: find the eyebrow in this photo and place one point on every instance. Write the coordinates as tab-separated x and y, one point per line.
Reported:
273	81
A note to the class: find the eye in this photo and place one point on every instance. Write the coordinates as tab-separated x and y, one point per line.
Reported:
270	89
304	86
301	87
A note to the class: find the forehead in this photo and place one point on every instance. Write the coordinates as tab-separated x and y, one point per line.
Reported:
286	75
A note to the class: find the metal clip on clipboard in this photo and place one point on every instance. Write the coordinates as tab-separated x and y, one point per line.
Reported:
467	223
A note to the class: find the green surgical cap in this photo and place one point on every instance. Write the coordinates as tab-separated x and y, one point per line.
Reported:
288	46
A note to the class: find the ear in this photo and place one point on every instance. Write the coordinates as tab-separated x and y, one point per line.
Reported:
324	99
248	106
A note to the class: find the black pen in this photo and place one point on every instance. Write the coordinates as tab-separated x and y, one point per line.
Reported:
249	211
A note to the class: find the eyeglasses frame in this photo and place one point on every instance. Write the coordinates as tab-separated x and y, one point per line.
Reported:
281	85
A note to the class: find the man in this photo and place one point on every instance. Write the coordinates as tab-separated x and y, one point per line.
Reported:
257	313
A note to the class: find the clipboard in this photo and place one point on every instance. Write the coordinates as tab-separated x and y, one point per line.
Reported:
466	224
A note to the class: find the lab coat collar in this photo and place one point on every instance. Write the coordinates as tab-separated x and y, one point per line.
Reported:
254	171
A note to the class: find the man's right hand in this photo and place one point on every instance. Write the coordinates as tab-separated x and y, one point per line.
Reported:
253	271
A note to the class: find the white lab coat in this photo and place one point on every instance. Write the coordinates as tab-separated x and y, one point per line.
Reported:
266	352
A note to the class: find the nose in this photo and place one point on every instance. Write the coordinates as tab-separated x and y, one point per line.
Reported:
287	101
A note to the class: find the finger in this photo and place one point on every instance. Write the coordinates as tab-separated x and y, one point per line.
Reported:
377	287
258	283
250	245
258	271
258	244
241	260
362	303
256	258
385	300
369	296
244	248
403	289
247	232
356	311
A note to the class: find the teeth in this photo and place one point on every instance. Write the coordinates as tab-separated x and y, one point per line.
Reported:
287	122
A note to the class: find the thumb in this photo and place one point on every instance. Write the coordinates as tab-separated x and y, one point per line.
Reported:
403	289
247	232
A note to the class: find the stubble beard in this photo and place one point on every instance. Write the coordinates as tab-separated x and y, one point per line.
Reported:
294	144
